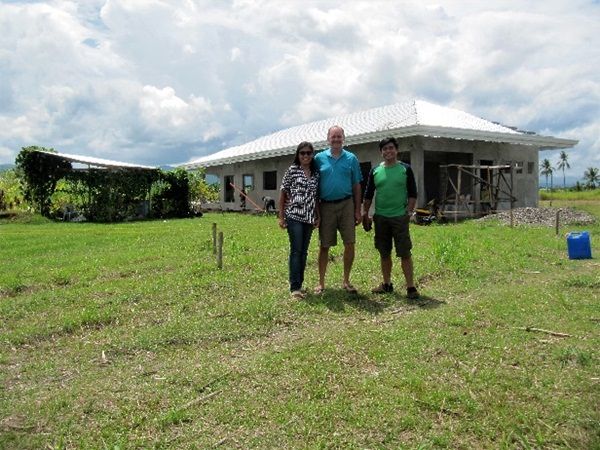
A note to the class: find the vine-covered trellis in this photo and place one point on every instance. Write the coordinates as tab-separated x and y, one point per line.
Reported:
104	191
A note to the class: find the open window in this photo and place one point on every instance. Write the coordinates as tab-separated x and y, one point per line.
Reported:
248	182
519	166
228	189
365	169
270	180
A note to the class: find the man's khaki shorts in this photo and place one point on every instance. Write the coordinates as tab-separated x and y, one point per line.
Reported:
388	229
334	217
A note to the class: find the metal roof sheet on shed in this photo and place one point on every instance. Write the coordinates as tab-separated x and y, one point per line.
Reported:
414	118
98	162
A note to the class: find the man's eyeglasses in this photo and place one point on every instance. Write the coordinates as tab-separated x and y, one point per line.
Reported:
305	153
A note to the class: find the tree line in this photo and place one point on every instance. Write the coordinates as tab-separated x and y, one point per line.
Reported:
591	176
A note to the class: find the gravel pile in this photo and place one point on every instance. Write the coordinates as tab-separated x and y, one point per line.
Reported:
543	216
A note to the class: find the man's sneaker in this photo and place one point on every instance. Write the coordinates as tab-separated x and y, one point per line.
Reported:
383	288
412	293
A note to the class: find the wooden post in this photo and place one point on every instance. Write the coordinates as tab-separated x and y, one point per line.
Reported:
512	219
557	221
214	236
459	171
89	186
220	251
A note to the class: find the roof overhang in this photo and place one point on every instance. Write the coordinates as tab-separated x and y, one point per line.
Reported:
543	142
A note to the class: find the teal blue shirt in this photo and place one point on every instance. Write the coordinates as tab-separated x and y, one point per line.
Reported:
338	176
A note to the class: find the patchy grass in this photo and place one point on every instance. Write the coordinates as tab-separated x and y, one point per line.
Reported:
128	336
567	194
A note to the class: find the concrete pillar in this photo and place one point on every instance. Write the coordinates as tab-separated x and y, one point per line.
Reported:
417	163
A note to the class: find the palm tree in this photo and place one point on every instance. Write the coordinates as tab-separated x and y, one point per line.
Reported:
591	177
562	165
546	170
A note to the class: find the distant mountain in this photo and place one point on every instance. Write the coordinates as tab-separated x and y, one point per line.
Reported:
558	181
6	167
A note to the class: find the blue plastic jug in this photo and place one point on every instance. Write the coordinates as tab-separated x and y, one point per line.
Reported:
578	245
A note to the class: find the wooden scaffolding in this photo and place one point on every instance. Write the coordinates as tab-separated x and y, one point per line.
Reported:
475	191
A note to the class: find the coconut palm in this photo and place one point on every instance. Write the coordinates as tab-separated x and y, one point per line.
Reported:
546	169
562	165
591	177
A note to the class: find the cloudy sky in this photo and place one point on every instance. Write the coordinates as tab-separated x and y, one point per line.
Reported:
164	81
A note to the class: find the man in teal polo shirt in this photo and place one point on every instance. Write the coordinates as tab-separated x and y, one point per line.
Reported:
340	199
394	205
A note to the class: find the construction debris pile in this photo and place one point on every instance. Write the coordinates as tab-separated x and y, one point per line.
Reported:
542	216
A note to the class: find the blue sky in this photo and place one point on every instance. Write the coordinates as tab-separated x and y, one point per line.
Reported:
160	82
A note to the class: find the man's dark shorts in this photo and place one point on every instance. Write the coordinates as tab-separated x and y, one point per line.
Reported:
392	229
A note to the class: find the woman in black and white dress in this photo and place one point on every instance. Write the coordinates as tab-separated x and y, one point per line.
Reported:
299	212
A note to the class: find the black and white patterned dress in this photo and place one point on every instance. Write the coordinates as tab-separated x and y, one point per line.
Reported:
302	192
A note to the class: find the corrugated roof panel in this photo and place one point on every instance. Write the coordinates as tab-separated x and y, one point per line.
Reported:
98	161
439	116
416	114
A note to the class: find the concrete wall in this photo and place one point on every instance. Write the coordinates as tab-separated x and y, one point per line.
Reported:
255	168
420	152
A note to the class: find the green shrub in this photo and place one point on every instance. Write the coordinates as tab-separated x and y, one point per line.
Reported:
38	174
9	184
170	194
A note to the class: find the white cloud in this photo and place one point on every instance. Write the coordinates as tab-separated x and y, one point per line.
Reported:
236	54
5	152
156	81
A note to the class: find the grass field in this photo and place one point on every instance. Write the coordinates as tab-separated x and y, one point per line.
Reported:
128	336
564	194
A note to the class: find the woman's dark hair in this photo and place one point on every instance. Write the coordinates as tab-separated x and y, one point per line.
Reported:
303	145
388	140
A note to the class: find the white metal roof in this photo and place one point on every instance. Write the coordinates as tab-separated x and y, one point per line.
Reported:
414	118
98	162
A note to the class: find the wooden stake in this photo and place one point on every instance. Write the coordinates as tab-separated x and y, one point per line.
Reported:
220	251
221	442
512	201
199	400
258	208
457	195
540	330
557	221
214	235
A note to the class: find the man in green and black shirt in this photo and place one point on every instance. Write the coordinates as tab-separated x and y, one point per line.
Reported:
395	203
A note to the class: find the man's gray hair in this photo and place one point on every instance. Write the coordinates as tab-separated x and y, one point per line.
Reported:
335	126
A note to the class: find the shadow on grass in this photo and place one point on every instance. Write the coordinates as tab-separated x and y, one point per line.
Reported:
423	302
336	300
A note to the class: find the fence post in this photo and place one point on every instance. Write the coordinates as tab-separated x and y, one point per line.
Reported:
512	199
214	236
220	251
557	221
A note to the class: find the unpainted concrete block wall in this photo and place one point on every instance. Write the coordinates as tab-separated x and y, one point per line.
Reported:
417	150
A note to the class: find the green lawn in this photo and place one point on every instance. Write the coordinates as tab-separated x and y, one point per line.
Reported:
128	336
564	194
